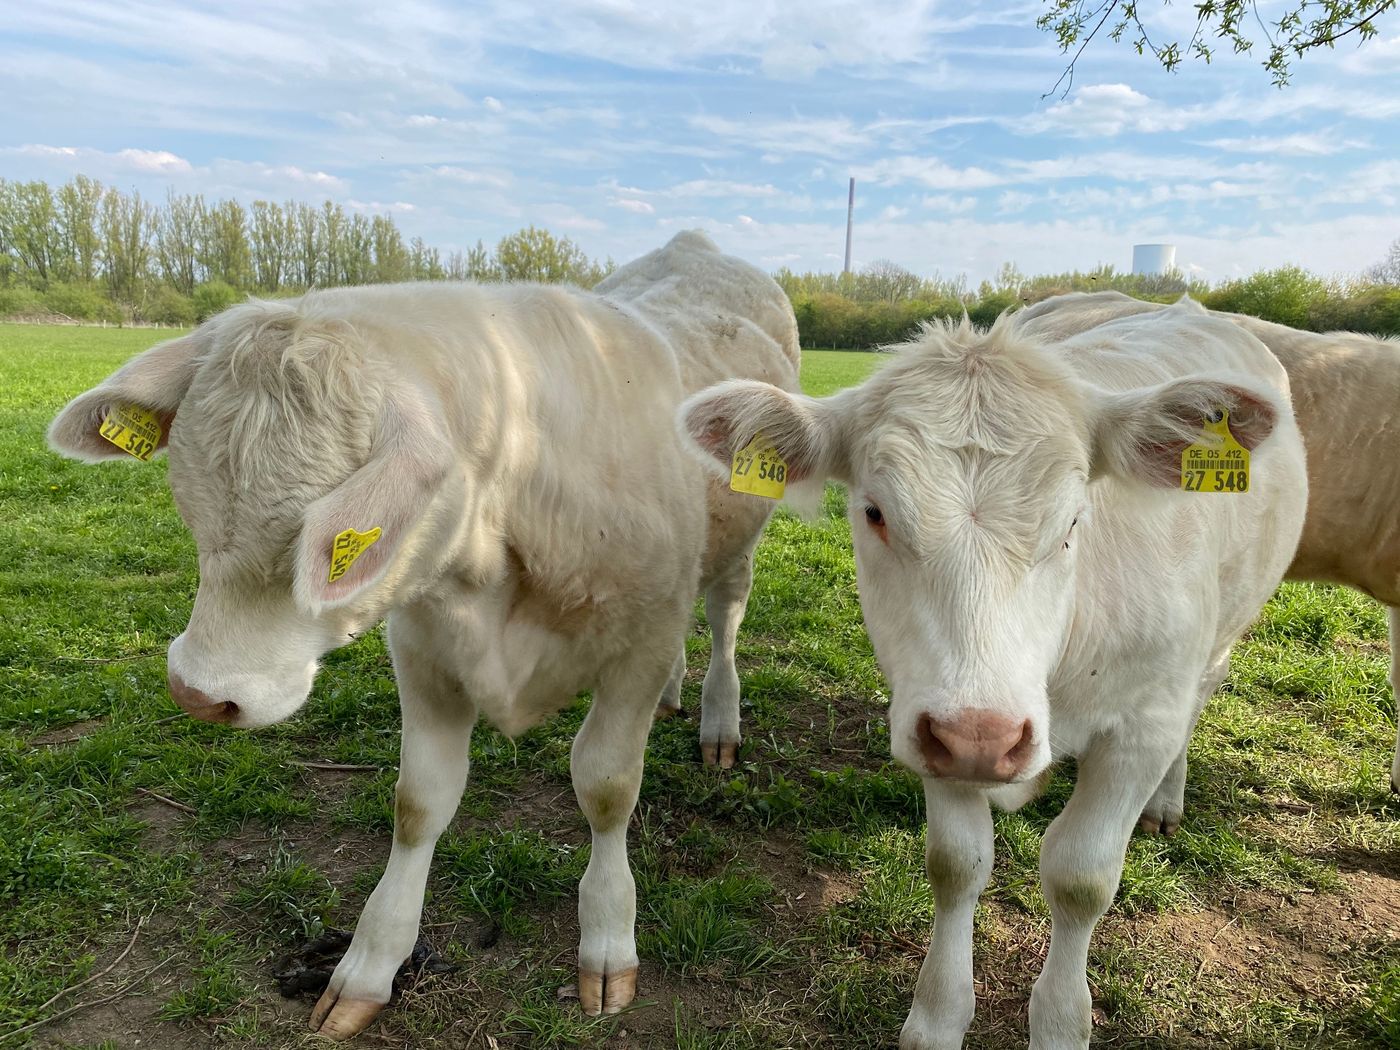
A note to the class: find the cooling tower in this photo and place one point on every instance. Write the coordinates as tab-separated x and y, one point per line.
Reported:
1151	260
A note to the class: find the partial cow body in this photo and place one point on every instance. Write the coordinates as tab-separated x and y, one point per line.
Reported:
1346	390
533	529
1037	587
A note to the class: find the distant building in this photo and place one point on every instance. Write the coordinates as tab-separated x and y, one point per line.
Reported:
1154	260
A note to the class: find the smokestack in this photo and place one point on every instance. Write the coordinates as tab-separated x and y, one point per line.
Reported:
850	217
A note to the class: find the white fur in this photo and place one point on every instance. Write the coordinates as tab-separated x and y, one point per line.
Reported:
980	450
544	532
1345	389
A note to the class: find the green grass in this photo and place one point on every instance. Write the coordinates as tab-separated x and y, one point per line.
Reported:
780	904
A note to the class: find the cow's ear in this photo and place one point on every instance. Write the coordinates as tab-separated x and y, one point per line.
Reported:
1141	434
806	431
129	413
351	537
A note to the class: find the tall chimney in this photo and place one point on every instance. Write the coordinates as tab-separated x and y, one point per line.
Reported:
850	218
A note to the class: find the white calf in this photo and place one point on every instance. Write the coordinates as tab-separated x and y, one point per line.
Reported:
1035	587
1345	390
496	469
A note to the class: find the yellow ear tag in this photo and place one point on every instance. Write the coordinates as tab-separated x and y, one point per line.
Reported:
348	546
133	429
758	469
1217	463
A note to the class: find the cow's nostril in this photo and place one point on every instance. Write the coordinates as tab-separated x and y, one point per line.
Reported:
228	711
1021	752
935	751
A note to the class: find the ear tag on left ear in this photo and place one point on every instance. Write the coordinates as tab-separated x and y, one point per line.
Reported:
347	547
133	429
1218	463
758	469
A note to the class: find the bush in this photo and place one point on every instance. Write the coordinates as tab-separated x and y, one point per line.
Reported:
17	301
1289	295
214	297
167	306
81	302
990	307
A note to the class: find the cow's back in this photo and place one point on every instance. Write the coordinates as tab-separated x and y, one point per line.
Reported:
725	318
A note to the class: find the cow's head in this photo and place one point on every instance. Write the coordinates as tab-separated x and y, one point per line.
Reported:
281	435
970	461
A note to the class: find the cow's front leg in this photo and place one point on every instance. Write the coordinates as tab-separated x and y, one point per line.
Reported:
958	857
606	763
1081	862
437	729
670	702
725	602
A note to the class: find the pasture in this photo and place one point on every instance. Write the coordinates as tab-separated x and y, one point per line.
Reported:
780	904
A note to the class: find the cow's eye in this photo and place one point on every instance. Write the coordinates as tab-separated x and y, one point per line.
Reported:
876	519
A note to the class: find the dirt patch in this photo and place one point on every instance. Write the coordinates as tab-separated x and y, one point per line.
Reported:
69	734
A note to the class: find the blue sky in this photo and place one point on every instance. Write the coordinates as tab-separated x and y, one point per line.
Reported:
617	123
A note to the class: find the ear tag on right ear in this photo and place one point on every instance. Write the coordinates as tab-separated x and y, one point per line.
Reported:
1218	463
347	547
758	469
133	429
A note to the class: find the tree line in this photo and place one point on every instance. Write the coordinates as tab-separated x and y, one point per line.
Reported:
92	252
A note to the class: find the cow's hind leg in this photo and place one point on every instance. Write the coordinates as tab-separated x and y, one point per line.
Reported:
670	703
606	764
1395	692
437	728
1164	809
725	602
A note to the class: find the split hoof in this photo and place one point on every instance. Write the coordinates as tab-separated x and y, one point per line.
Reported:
719	754
338	1019
606	993
1154	825
664	711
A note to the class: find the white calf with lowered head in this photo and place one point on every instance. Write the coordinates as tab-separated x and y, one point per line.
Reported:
497	470
1035	587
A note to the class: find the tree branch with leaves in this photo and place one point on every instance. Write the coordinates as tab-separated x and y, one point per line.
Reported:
1303	26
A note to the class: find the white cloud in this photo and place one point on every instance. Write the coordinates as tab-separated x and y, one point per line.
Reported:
470	177
633	205
1299	144
380	208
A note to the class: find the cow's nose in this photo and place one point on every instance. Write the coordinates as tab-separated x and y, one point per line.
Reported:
975	745
200	705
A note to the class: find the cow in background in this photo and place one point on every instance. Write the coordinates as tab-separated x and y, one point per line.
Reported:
494	468
1036	586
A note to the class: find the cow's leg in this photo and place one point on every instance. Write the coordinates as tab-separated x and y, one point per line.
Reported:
1081	862
725	602
606	763
1395	692
1164	809
437	729
670	703
958	857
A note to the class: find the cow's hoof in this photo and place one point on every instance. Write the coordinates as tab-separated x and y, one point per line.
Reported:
337	1018
664	710
719	753
606	994
1153	824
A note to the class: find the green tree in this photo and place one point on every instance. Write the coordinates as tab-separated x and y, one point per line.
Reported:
270	237
178	231
79	208
223	245
128	229
533	254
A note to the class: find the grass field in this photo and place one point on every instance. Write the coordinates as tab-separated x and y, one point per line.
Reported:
781	904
